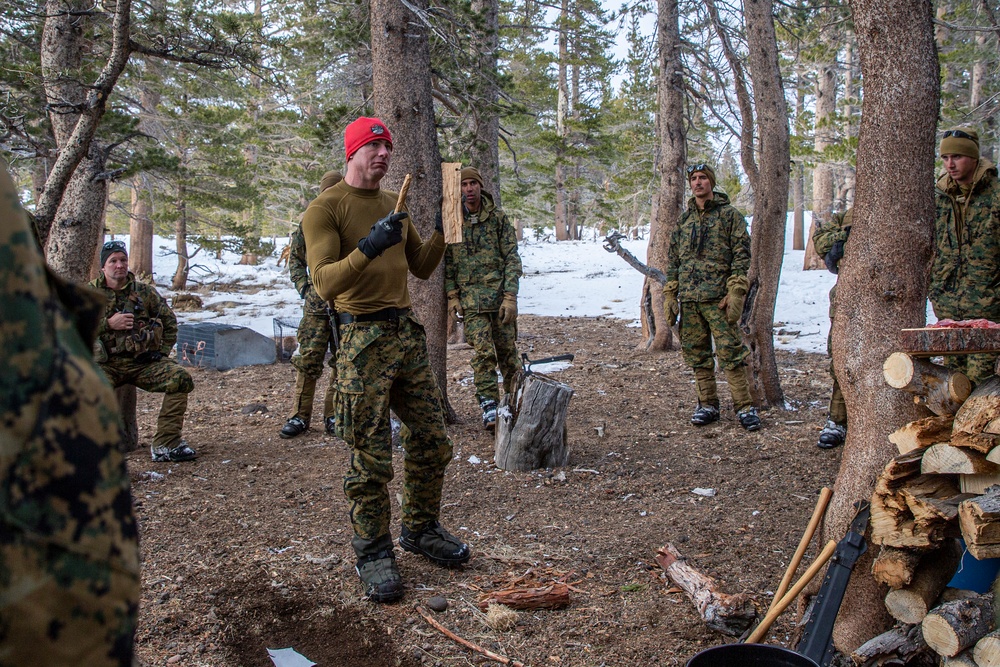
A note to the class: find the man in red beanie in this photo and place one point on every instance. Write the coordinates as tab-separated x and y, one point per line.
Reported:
382	361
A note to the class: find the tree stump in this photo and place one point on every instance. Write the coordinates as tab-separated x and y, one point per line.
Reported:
125	395
531	424
942	390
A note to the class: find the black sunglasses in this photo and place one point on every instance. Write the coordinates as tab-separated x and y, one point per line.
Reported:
114	245
960	135
697	167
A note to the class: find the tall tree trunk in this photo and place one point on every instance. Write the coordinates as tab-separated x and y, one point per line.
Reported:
562	112
75	110
401	78
799	170
140	228
884	286
822	205
673	156
180	242
770	211
485	150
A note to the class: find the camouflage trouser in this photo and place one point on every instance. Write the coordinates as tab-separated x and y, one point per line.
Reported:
383	365
493	345
315	337
164	376
838	409
701	322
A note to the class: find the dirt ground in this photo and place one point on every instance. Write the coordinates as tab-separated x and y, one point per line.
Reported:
248	547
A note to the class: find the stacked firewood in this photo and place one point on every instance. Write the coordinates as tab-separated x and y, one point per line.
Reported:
944	484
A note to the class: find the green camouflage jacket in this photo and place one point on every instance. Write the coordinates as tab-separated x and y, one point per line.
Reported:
485	264
825	236
298	271
707	248
155	325
965	271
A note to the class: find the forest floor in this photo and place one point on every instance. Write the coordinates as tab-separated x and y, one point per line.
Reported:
248	547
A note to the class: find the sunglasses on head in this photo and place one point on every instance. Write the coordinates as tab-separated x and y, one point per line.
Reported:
960	135
114	245
696	167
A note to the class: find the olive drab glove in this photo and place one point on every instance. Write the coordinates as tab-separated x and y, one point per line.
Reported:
671	309
736	295
508	308
455	311
384	234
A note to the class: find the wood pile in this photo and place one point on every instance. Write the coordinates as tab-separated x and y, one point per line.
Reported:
944	484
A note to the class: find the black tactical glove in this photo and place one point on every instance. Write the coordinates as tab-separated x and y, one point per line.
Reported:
149	357
438	224
832	258
385	233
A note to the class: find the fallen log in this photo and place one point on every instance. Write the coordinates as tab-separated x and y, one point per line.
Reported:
955	626
922	433
911	603
941	389
531	424
980	409
728	614
901	645
946	459
550	596
987	650
941	341
896	567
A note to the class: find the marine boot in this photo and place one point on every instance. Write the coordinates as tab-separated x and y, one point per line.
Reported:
436	544
749	419
293	427
489	407
377	569
832	435
705	414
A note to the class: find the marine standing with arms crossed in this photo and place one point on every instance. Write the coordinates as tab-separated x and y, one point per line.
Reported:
382	362
706	285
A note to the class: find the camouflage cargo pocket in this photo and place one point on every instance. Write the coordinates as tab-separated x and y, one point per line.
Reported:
100	352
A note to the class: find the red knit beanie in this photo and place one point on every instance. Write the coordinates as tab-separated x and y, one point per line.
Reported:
363	130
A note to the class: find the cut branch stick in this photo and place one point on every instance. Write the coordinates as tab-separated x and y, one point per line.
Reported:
401	199
821	503
761	630
466	643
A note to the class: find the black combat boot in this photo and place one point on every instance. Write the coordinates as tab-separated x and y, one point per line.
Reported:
436	544
377	569
832	435
705	414
293	427
749	419
489	407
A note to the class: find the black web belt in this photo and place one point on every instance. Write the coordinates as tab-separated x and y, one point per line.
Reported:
384	315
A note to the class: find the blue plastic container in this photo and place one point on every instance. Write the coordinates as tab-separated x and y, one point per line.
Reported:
975	575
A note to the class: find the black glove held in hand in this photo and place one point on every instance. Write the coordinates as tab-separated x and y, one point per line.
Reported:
149	357
832	258
385	233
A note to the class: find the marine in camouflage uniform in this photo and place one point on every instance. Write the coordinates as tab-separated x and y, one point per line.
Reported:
382	362
829	240
314	336
138	353
69	557
707	266
965	271
481	276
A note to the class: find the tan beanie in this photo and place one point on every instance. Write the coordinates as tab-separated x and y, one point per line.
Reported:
472	172
330	179
960	141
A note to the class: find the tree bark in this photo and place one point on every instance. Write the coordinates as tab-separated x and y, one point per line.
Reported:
881	292
770	180
673	156
401	76
485	151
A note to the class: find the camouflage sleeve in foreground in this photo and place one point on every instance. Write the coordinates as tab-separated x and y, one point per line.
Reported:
739	240
826	235
69	560
512	269
297	266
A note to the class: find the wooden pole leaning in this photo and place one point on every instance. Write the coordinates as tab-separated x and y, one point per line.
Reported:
821	504
761	630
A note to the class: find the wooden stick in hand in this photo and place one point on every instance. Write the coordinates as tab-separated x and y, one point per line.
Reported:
401	200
